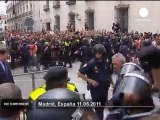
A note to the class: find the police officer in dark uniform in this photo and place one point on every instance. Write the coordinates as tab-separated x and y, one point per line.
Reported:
124	48
127	67
56	77
149	58
25	54
13	51
67	53
135	91
84	52
98	77
46	56
109	50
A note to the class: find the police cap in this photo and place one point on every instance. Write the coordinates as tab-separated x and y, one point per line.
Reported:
56	73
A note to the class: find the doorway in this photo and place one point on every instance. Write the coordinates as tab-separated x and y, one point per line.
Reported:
48	27
122	19
90	19
72	21
57	23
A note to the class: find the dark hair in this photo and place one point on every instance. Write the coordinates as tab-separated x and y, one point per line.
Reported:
9	91
56	76
3	51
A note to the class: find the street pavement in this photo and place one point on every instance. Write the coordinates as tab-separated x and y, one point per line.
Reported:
25	82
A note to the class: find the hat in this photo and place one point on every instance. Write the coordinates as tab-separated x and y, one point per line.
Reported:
57	73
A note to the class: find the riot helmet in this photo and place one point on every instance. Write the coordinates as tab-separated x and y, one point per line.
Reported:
85	41
135	82
135	90
129	67
99	48
147	42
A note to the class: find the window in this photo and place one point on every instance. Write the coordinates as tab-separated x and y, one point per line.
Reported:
5	22
26	8
48	27
56	4
57	23
31	6
70	2
47	2
23	9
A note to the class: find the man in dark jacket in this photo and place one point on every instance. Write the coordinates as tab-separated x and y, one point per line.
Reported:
25	54
5	73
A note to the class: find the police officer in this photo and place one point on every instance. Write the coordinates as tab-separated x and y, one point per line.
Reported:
98	77
84	52
67	53
127	67
60	113
149	58
13	52
25	54
124	48
46	56
135	91
56	77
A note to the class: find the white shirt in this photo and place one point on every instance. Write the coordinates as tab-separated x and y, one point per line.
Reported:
2	66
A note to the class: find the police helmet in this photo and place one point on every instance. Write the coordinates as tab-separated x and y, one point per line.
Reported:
99	48
85	41
57	73
147	42
135	82
135	90
124	40
59	96
129	67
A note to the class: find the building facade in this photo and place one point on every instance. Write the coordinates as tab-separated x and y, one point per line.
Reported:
3	22
17	13
57	15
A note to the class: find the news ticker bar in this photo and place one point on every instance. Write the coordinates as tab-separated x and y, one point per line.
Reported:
40	104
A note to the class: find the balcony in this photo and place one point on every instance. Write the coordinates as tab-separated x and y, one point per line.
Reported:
29	13
71	2
56	4
46	7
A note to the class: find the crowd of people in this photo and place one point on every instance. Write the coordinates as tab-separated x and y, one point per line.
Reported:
44	48
132	57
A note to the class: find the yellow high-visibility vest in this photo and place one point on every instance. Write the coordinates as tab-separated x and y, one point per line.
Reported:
66	43
41	90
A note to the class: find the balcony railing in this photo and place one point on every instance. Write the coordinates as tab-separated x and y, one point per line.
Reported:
71	2
56	4
46	7
20	16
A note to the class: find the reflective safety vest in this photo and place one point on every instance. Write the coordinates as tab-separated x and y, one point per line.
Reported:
67	43
41	90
